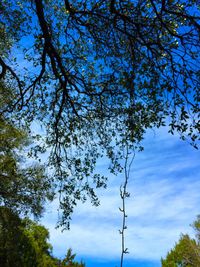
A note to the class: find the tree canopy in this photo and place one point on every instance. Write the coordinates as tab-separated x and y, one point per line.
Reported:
97	74
24	187
24	243
186	252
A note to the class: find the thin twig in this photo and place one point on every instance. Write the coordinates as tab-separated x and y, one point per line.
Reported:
125	194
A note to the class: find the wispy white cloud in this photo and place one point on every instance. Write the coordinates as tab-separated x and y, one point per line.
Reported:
165	199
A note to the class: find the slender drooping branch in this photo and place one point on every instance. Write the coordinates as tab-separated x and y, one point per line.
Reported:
128	157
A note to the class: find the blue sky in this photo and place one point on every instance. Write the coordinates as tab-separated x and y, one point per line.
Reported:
164	186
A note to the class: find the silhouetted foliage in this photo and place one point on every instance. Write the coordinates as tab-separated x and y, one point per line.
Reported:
24	243
98	75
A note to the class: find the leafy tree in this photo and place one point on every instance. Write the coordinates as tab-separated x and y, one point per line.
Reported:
186	252
24	243
15	247
99	74
69	261
22	188
38	236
